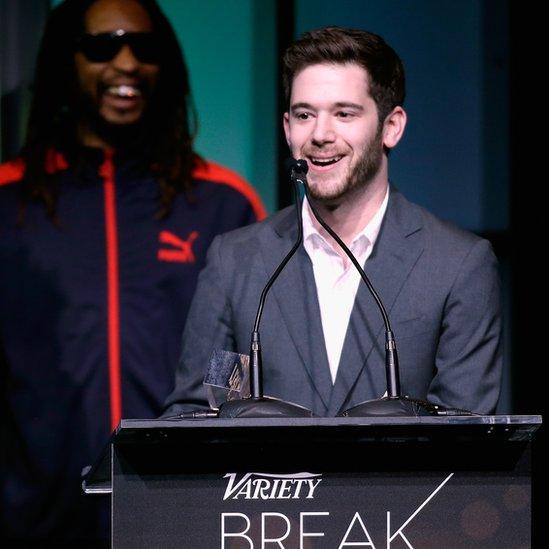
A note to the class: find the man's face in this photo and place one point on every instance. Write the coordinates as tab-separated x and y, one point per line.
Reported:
333	124
117	90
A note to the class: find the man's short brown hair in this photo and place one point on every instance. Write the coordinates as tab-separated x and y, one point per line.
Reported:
340	45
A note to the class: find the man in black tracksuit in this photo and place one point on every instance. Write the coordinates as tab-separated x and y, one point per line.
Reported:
105	220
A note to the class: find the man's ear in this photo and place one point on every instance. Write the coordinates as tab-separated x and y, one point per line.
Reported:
393	127
286	124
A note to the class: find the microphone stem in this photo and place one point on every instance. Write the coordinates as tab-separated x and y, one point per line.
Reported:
256	364
256	367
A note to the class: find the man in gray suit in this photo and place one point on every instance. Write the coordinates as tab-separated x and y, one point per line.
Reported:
321	333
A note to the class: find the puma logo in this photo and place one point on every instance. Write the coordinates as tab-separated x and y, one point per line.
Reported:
183	252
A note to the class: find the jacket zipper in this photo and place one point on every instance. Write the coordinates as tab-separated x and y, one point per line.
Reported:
113	297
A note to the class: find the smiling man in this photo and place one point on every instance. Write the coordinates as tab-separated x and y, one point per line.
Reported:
117	63
333	123
105	219
322	335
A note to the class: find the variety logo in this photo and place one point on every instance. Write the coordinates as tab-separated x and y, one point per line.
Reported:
297	528
271	486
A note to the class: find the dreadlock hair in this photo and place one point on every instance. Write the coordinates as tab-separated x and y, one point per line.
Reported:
54	117
340	45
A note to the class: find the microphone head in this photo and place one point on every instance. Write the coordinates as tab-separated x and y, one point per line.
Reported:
296	166
301	166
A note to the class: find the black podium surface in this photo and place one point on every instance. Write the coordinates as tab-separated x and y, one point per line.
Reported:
313	482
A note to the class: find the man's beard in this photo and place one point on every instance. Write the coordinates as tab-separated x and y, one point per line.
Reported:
361	174
119	136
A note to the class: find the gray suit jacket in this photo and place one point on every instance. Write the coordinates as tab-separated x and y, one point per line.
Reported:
438	283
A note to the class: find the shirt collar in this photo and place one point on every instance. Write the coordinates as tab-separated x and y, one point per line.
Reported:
312	237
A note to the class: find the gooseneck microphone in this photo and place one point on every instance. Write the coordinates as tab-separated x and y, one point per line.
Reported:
259	405
394	404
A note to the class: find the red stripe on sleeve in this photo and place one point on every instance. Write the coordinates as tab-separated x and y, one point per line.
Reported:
210	171
11	172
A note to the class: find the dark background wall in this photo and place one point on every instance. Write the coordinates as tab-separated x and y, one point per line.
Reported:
21	24
453	158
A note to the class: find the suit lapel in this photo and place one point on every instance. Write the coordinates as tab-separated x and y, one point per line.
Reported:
396	251
296	297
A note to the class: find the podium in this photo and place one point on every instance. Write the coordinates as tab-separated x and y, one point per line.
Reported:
428	482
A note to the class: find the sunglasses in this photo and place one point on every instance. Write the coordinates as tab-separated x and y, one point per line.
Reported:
105	46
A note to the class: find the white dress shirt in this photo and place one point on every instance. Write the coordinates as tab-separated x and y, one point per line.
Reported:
336	278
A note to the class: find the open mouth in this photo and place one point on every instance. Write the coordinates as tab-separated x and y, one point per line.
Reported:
324	162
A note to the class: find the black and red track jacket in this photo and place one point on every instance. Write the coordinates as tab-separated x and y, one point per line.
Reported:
91	317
